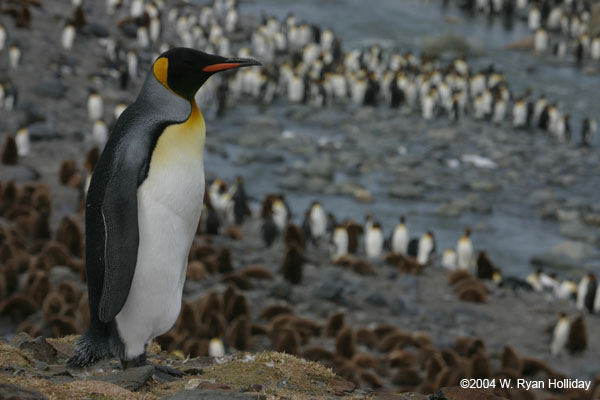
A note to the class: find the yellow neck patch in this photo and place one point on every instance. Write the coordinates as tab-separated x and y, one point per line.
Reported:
160	68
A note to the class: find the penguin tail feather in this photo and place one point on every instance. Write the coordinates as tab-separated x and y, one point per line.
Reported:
87	351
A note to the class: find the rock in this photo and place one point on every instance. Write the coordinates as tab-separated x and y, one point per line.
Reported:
592	219
483	186
212	395
10	392
40	349
317	184
292	182
131	379
331	290
442	134
53	89
567	215
18	173
266	157
376	299
579	232
341	386
450	43
449	210
566	254
457	393
358	192
42	131
98	30
401	396
405	191
281	290
321	167
523	44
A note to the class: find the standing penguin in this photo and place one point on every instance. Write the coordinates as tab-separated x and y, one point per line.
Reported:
143	208
560	335
464	251
400	237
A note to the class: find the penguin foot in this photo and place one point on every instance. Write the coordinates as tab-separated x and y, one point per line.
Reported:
141	361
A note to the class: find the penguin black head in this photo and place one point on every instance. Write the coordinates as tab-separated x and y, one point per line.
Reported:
183	71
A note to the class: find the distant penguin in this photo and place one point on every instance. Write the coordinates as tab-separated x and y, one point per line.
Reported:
374	241
132	64
339	242
566	290
68	37
216	348
400	238
281	213
269	228
588	129
540	43
95	106
560	335
14	56
137	8
519	113
533	280
582	289
317	222
464	251
100	133
241	210
449	260
22	140
591	294
534	19
426	248
2	37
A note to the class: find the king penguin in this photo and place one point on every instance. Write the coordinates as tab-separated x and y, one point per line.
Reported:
142	210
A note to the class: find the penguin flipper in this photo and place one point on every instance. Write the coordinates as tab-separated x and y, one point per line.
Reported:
120	216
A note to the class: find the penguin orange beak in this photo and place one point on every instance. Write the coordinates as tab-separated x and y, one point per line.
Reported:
231	63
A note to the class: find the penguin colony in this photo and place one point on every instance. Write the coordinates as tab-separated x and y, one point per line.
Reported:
306	64
558	27
43	271
30	250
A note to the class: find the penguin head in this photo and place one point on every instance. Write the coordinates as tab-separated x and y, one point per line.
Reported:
183	71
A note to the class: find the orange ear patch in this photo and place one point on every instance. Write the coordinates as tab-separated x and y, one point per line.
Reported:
160	70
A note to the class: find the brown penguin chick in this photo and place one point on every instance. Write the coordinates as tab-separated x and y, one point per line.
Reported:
371	380
91	159
347	370
293	235
451	357
195	271
433	366
258	329
364	268
52	306
70	234
534	367
211	263
200	251
366	337
345	261
18	307
407	376
238	280
238	333
292	265
256	272
274	310
215	325
3	286
10	275
10	193
425	353
474	293
10	155
41	200
83	313
288	341
170	341
457	276
401	358
227	297
239	306
209	304
68	168
30	328
354	231
234	232
479	366
509	360
345	342
195	347
78	18
383	330
267	204
485	266
444	378
317	354
366	361
467	346
335	323
188	323
52	254
577	340
396	340
224	260
63	326
421	339
37	286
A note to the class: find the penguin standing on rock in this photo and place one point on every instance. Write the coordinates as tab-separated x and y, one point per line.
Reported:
143	208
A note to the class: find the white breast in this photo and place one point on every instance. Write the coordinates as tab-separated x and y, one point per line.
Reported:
169	207
374	243
464	252
561	334
340	243
400	240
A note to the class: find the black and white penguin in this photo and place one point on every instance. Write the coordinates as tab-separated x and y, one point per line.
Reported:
560	335
464	251
241	210
374	240
426	249
316	222
339	242
143	208
95	106
588	129
400	238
